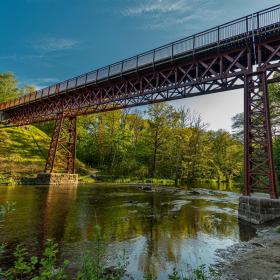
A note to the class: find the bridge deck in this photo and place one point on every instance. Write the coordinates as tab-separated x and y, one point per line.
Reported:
227	36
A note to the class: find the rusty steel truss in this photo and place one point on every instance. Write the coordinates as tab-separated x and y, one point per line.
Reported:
248	59
63	146
259	165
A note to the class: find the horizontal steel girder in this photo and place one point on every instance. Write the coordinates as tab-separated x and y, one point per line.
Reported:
219	72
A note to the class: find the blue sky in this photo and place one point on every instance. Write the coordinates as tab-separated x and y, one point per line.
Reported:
46	41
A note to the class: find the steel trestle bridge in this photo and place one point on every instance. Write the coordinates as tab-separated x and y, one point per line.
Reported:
244	53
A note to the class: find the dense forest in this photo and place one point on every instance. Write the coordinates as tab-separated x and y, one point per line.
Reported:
158	141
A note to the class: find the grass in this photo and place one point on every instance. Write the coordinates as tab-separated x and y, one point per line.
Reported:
86	179
128	180
22	150
23	153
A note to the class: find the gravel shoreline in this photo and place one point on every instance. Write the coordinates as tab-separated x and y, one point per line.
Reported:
257	259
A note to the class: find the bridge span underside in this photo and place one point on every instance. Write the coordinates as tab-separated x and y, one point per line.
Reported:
241	54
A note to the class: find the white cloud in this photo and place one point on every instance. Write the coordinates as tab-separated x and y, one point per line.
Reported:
164	14
170	21
53	44
39	83
156	6
20	57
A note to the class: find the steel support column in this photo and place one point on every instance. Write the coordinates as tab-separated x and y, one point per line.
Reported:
71	145
259	174
63	146
54	143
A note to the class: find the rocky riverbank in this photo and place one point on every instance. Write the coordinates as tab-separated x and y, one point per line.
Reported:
257	259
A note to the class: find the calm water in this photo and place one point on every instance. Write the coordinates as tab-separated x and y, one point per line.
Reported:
157	229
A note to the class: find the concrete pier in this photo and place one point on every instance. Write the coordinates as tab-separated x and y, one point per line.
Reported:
258	210
56	179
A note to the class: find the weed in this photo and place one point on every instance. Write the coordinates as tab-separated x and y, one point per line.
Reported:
93	263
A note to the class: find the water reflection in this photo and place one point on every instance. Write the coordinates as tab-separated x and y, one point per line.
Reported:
56	211
157	229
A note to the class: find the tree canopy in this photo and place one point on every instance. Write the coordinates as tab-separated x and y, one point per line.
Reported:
9	87
162	141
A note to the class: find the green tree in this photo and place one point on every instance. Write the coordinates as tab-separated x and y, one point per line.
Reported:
227	154
8	87
197	152
27	89
161	120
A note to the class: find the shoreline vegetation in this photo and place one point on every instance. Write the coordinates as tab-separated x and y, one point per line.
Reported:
163	142
91	266
163	145
239	261
28	179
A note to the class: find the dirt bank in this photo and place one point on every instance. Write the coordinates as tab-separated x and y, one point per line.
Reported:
257	259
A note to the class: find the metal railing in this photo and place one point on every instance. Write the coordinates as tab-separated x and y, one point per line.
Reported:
247	26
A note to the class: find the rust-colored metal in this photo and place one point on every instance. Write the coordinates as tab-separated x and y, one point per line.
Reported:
71	145
216	73
54	143
63	146
244	53
259	165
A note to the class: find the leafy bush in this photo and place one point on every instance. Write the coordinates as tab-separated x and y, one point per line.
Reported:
6	209
33	268
199	273
150	277
47	268
93	263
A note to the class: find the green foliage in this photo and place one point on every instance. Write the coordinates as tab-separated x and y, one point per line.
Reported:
165	143
227	155
169	144
276	152
278	229
8	87
32	268
23	152
175	275
238	126
7	208
27	89
22	266
150	277
199	273
2	248
48	268
93	262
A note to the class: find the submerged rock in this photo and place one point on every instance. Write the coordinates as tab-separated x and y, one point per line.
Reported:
146	188
194	193
113	271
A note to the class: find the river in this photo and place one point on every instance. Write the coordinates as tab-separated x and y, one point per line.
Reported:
158	230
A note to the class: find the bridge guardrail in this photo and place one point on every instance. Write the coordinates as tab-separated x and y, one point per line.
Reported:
222	34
